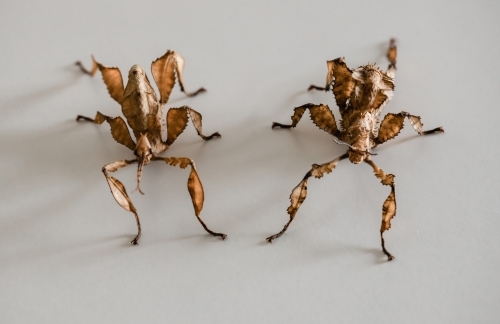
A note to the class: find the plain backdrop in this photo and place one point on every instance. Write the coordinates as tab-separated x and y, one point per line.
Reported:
65	252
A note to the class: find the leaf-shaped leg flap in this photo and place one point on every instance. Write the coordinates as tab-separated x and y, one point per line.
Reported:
392	125
321	115
120	193
389	206
119	129
194	185
299	193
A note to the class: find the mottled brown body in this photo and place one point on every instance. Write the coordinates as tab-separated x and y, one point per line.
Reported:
143	112
361	95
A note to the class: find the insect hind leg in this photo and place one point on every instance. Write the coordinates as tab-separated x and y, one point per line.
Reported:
120	193
299	193
195	188
389	206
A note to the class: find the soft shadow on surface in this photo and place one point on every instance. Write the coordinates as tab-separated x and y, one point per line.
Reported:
12	105
49	177
312	251
97	248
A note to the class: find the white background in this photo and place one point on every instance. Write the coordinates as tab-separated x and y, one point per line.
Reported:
65	255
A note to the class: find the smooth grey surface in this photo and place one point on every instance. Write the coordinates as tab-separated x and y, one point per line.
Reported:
65	255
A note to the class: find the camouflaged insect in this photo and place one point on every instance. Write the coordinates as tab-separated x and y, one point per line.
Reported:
361	94
143	112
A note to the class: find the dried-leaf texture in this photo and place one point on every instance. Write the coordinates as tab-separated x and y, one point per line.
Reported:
344	83
415	122
120	194
112	77
322	116
196	191
180	63
297	115
196	119
163	70
177	120
139	102
388	211
297	197
390	127
120	133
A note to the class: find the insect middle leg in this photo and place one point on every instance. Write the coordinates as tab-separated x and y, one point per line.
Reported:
389	207
177	119
119	129
195	187
120	193
393	124
321	115
299	193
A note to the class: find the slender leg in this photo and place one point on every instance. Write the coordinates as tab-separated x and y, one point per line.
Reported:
389	207
315	87
393	124
90	72
194	186
179	70
299	193
120	193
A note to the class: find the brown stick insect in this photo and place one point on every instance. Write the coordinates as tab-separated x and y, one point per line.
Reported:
361	94
143	112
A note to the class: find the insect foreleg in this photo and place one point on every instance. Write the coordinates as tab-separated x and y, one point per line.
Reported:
194	186
389	207
299	193
321	115
120	193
